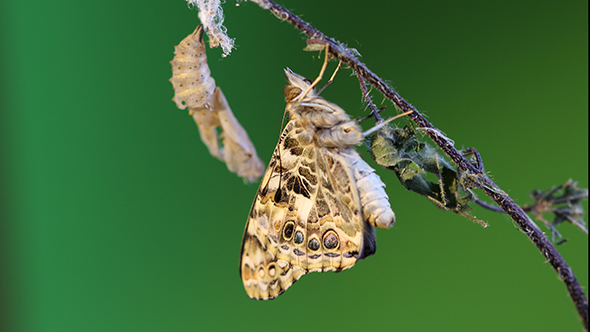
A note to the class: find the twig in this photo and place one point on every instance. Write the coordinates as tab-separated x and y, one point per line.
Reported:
361	119
488	205
537	209
374	110
478	179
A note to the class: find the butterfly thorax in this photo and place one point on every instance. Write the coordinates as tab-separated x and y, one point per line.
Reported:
318	120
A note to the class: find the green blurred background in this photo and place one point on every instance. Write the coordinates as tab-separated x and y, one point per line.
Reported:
114	217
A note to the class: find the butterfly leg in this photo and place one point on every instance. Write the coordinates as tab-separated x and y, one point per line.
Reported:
331	78
322	71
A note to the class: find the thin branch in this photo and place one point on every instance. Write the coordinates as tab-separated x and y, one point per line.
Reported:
361	119
478	179
488	205
568	196
374	110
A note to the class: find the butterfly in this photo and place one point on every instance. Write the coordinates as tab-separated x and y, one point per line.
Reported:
196	89
317	202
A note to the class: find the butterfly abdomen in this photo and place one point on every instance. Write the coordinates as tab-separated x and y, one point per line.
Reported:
374	200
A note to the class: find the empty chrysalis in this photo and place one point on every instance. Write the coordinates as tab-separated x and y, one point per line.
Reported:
195	88
191	77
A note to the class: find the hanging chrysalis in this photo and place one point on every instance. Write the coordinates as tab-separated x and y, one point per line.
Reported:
195	88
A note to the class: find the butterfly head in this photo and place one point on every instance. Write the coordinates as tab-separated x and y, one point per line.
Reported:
309	108
297	85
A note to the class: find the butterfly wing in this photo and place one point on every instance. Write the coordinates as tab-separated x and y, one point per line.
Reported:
261	273
306	217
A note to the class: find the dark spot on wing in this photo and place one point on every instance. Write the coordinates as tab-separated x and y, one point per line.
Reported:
321	205
330	240
281	196
288	231
290	142
306	174
298	237
298	252
350	254
278	196
294	183
296	151
313	244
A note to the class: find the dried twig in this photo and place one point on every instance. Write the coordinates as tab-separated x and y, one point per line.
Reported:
565	207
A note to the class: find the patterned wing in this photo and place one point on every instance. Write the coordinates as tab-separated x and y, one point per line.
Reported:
306	217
